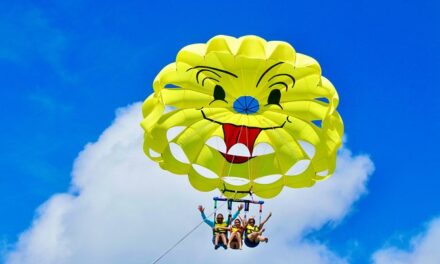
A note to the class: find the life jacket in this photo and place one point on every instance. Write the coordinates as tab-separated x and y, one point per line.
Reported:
250	229
235	229
221	230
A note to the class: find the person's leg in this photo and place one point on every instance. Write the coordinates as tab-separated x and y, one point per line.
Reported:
233	244
216	239
253	236
231	238
223	237
240	246
262	238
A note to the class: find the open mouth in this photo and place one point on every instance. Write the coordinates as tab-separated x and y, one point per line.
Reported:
237	146
238	142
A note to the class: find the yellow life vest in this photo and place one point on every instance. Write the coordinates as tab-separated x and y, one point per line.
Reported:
220	228
250	229
235	229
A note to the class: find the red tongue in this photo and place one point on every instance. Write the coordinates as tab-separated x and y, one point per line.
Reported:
239	134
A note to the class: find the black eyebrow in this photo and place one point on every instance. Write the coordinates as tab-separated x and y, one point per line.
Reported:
268	69
203	70
284	74
283	83
212	68
208	78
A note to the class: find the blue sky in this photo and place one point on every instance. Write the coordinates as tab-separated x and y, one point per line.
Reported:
67	66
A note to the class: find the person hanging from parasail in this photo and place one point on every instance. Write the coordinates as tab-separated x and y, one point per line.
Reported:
220	226
246	114
236	239
254	233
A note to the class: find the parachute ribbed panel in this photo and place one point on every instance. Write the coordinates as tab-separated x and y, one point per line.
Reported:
289	138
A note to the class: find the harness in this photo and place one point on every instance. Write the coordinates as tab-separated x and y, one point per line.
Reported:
220	228
235	229
250	229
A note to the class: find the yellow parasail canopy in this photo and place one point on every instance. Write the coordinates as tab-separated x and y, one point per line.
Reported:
245	114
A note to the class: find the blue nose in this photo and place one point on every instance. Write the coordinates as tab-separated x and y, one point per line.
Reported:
246	105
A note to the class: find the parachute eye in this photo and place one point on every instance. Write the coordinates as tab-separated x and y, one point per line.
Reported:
219	93
274	97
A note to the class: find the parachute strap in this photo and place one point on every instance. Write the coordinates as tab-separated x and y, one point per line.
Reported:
229	204
225	190
246	206
229	211
230	201
260	212
246	209
237	200
215	209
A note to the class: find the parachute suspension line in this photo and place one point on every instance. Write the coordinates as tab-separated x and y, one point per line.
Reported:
250	160
249	166
230	166
230	210
229	200
224	160
233	157
276	132
278	161
260	213
246	209
224	166
183	238
246	202
251	194
215	209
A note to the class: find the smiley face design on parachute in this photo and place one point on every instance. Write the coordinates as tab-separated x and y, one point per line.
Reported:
243	113
237	144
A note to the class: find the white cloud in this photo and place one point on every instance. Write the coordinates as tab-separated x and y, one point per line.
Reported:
424	248
122	208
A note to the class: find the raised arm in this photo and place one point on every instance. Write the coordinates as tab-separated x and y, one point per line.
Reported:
265	220
243	222
205	219
235	214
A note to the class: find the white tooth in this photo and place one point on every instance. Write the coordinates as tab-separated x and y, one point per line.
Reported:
168	108
173	132
178	153
154	154
298	168
262	149
322	173
239	149
237	181
268	179
217	143
308	148
205	172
